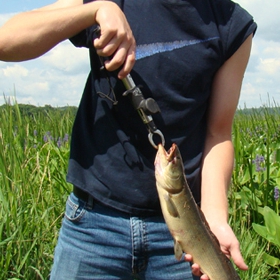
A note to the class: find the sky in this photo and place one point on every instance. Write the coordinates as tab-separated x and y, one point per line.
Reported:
58	77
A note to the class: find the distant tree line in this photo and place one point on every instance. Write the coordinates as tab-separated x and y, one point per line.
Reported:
31	110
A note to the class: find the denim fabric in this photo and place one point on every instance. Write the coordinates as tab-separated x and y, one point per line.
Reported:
102	243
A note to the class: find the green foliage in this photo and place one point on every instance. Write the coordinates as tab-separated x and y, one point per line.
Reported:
34	152
271	232
257	154
255	178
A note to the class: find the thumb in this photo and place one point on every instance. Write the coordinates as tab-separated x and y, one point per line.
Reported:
237	257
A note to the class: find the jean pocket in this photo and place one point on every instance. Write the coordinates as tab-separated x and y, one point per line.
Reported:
75	209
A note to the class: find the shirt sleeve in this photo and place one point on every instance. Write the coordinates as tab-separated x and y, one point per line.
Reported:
240	26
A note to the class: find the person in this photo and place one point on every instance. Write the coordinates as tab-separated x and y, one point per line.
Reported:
190	57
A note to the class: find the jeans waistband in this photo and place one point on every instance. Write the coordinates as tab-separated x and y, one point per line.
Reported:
86	197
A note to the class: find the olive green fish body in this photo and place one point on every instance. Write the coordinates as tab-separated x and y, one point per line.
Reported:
184	219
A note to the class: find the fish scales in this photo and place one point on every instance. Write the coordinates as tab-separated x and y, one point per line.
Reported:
185	220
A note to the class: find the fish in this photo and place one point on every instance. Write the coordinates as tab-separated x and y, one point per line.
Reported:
185	220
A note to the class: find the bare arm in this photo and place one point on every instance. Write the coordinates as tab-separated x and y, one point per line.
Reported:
31	34
219	154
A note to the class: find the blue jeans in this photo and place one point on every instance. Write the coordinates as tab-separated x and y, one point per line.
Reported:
103	243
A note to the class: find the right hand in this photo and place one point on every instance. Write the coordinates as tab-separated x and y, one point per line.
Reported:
116	39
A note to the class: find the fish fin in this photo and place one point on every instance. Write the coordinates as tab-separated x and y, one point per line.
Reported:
178	250
170	205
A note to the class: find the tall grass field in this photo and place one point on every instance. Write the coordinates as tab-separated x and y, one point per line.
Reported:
34	152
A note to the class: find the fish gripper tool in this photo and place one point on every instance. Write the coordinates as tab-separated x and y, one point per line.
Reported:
145	108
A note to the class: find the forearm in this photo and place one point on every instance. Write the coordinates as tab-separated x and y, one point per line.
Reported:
219	153
31	34
216	174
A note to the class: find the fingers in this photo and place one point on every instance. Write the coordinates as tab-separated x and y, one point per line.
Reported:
120	47
188	258
123	57
116	40
196	268
234	253
110	39
128	63
229	246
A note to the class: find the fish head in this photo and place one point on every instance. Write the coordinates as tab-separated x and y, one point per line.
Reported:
169	170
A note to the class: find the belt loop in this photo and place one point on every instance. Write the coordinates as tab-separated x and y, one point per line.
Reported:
87	198
90	202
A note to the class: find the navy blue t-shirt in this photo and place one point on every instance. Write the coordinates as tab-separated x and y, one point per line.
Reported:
180	46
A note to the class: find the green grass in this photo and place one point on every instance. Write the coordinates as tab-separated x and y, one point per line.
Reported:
34	151
33	190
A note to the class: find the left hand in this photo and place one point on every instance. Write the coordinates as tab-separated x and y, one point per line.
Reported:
229	246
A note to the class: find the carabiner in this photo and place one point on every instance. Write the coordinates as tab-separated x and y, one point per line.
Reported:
150	137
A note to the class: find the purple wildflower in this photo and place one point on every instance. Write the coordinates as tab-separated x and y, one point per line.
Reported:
276	193
258	168
59	142
46	138
258	161
66	138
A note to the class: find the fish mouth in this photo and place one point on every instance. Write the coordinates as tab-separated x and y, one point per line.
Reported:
168	158
171	153
167	168
164	157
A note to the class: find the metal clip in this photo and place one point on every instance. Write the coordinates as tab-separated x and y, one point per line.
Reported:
145	108
150	137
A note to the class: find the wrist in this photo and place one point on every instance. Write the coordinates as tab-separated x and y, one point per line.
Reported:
215	216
